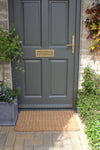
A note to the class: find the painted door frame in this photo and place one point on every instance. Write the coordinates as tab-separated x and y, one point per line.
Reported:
77	44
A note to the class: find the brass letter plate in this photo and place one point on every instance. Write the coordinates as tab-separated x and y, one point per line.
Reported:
44	52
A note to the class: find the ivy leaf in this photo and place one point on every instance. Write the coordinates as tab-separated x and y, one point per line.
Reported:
94	26
99	25
92	47
98	32
97	39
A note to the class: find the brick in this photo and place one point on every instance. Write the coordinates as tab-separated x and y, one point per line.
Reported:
3	5
18	147
4	129
8	148
38	138
28	147
3	139
3	16
43	148
28	142
10	139
47	139
62	143
1	147
19	143
24	135
11	129
57	138
63	148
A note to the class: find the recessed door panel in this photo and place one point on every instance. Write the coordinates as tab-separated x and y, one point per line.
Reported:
32	78
58	77
58	22
32	23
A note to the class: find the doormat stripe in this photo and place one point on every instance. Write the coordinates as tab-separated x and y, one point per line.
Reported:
46	121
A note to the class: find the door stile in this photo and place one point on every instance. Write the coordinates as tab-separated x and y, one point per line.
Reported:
45	44
44	23
72	14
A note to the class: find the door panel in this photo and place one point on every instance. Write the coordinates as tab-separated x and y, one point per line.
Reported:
32	76
46	24
58	77
32	23
58	22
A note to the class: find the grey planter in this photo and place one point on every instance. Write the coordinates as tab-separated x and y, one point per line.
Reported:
8	113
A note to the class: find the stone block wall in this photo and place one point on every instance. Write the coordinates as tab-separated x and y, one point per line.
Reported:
5	23
85	57
4	13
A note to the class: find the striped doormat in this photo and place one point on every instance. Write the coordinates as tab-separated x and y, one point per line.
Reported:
47	121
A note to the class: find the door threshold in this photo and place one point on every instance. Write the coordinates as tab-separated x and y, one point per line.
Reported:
45	106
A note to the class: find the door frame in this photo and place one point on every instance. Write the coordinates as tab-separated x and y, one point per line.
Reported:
77	45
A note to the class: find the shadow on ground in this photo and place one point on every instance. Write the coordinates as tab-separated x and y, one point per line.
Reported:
44	140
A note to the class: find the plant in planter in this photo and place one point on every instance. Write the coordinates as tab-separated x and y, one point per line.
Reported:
8	95
8	106
10	51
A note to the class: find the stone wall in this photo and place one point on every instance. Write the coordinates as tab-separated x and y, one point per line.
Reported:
5	23
85	57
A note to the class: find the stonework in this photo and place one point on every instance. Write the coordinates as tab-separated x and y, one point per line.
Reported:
4	13
85	57
5	23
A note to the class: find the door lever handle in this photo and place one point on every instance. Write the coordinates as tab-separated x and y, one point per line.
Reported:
73	44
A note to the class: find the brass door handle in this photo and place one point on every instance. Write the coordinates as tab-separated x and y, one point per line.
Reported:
73	44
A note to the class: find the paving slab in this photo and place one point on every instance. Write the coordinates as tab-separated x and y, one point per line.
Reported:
19	143
10	139
28	142
24	135
38	138
28	147
4	129
1	147
43	148
8	148
76	144
46	140
3	137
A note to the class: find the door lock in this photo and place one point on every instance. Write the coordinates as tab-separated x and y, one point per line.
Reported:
73	44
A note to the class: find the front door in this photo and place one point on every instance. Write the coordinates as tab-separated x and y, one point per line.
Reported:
48	79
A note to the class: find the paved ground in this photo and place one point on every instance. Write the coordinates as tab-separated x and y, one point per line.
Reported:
64	140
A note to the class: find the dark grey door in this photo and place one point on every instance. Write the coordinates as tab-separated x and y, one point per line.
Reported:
45	24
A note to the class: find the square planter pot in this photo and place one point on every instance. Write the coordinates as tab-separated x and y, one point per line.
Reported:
8	113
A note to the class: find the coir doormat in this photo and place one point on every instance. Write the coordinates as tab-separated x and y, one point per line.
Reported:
46	121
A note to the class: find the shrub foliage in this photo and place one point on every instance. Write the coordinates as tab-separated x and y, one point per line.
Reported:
94	26
88	103
8	95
